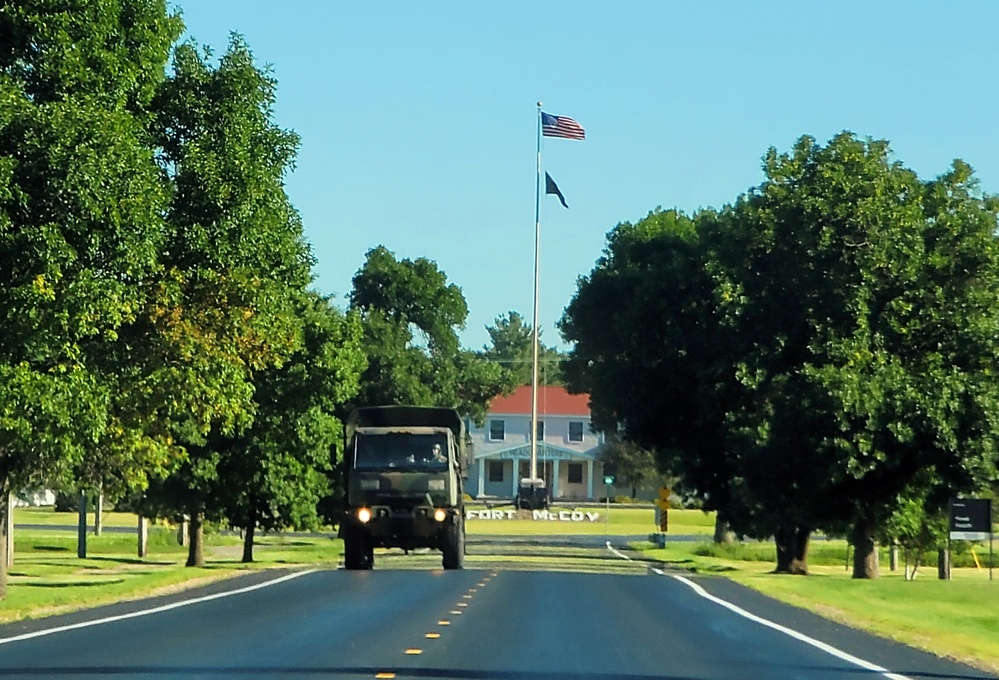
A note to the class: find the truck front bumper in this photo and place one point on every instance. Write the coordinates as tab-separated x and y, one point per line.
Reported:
406	528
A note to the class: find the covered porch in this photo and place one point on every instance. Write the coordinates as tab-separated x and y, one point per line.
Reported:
568	474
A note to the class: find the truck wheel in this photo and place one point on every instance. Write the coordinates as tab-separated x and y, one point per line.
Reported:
454	546
358	552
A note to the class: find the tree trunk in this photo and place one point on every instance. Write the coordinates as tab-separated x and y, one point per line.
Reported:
10	530
251	527
143	531
865	551
943	564
4	537
81	527
98	511
792	549
802	541
723	535
195	549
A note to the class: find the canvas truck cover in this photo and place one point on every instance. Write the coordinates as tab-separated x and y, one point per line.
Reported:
406	416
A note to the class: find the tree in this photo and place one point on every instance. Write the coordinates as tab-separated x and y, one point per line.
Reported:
512	347
235	263
634	466
877	368
275	473
811	354
916	531
81	206
651	349
411	319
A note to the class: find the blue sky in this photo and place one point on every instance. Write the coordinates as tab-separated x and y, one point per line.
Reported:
419	119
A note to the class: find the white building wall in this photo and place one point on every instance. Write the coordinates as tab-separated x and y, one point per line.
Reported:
517	428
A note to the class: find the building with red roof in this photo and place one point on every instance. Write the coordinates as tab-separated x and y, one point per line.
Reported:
567	448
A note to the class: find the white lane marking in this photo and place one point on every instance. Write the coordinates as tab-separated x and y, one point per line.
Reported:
829	649
154	610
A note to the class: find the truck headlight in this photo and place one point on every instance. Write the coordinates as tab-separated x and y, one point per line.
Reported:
440	514
364	515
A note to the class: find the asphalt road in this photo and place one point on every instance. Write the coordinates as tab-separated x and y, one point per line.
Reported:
407	619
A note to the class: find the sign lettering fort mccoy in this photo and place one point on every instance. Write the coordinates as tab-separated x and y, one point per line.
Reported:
970	519
536	515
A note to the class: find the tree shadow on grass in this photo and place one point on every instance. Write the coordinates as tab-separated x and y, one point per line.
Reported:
132	560
72	584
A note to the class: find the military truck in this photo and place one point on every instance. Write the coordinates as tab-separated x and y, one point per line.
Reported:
403	469
532	494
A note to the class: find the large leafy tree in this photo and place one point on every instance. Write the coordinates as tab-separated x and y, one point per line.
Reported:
650	348
872	299
81	205
831	338
235	259
412	316
274	474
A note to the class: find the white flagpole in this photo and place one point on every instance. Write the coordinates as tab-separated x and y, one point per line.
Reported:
537	260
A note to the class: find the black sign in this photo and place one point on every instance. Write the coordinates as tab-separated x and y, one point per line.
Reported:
970	519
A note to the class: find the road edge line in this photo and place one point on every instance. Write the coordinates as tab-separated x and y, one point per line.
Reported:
154	610
790	632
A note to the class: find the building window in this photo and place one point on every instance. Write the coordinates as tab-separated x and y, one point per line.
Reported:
541	430
575	431
497	430
575	473
495	471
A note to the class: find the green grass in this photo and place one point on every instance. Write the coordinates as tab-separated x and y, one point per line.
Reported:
48	516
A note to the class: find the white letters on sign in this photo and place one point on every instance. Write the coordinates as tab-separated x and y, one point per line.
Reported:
537	515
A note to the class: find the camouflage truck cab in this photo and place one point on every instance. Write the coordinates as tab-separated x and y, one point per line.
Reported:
404	470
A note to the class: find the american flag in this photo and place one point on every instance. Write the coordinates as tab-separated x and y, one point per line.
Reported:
561	126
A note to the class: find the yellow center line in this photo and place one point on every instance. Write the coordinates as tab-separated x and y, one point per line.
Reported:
385	676
443	622
432	636
413	651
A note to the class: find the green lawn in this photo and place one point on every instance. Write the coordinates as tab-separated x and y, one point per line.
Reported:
48	516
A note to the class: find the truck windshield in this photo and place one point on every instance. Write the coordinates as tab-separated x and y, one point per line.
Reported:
401	450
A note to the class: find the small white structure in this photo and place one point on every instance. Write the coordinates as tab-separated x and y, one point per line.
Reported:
33	498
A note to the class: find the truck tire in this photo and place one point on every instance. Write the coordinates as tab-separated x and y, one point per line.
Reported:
454	546
358	552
